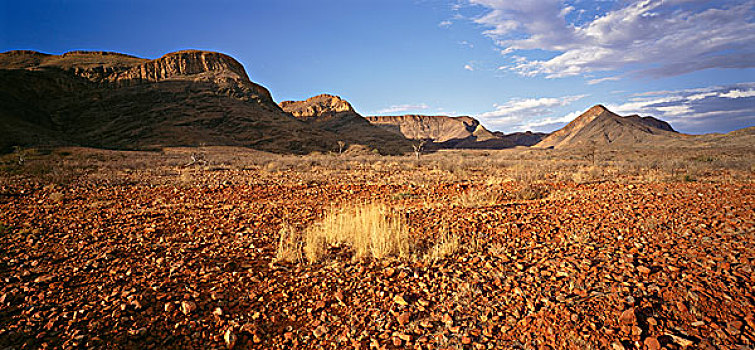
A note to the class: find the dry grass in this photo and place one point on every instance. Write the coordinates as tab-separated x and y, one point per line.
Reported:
478	198
369	230
448	243
289	245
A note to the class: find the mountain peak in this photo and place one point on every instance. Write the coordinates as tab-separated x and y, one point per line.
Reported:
317	106
598	124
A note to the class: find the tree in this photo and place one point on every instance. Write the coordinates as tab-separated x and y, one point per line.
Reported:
418	146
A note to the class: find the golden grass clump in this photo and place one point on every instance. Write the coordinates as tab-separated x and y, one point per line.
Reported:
289	245
477	198
370	230
447	244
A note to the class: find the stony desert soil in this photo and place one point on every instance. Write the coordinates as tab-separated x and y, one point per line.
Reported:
188	261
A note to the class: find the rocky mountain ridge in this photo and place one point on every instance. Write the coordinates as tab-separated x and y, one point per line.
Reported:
336	115
119	101
598	125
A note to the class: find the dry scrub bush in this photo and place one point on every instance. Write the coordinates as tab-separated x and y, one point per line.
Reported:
529	191
587	174
289	245
477	198
448	243
370	230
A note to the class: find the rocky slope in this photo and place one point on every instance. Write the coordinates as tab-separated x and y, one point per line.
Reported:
112	100
334	114
443	131
600	126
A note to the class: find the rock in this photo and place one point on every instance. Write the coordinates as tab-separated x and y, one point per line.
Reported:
188	307
319	332
403	318
628	317
169	307
44	279
217	312
643	270
399	299
684	342
466	340
230	338
651	343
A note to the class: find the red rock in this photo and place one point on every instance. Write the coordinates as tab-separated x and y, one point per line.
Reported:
188	307
628	317
651	343
404	318
230	338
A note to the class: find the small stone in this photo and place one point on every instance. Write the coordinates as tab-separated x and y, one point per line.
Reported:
188	307
403	318
217	312
405	337
466	340
230	338
643	270
698	323
627	317
448	320
617	346
400	300
320	331
684	342
44	279
169	307
651	343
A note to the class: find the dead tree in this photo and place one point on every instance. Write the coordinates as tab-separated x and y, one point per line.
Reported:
196	158
418	146
341	145
19	152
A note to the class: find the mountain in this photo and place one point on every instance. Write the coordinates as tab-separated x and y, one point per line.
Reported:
443	131
527	138
333	114
600	126
112	100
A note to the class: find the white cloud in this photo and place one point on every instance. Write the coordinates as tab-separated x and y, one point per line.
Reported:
402	108
445	24
466	43
469	67
739	93
715	108
525	114
655	37
601	80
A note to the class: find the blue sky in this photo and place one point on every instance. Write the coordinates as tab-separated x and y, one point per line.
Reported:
515	65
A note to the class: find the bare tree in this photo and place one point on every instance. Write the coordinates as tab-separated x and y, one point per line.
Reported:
20	153
418	146
341	145
196	158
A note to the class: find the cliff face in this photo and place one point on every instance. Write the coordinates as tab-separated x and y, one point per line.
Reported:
334	114
598	125
103	99
319	106
436	128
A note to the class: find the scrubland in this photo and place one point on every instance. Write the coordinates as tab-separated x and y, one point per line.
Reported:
217	247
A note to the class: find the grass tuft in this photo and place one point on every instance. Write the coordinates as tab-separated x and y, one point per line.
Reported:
369	230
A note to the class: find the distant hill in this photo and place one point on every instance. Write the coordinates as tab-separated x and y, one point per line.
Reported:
333	114
112	100
450	132
600	126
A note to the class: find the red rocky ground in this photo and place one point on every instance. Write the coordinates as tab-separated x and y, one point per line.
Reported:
597	266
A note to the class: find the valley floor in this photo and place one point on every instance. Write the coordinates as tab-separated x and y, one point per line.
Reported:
542	250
